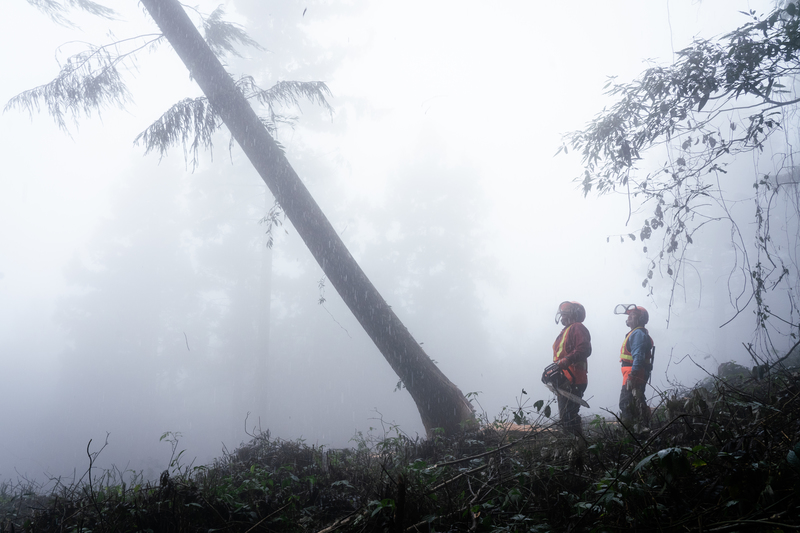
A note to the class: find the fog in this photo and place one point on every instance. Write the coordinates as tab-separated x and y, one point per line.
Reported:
138	296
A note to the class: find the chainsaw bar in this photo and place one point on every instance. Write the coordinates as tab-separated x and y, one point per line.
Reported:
567	395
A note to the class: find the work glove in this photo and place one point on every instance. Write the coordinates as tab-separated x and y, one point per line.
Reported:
564	363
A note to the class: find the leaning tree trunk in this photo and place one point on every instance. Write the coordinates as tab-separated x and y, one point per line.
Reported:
441	404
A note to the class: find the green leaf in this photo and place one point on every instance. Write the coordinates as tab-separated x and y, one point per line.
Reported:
793	457
703	101
674	461
644	462
419	464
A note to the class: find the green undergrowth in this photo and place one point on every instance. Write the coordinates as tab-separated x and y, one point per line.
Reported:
724	456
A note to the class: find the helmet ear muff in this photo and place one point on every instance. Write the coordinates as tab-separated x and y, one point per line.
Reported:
579	312
643	317
639	313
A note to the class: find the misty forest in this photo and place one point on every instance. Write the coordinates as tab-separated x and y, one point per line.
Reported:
294	266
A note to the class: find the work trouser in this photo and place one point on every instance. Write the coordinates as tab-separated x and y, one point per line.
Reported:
633	408
568	410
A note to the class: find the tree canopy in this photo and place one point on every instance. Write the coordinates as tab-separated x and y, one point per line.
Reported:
721	99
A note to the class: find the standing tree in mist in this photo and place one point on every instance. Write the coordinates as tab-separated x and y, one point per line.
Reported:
722	101
91	80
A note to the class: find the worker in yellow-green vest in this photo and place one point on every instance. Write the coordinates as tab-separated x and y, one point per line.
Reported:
636	357
571	350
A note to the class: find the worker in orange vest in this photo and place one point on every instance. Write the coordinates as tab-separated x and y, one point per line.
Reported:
571	350
636	357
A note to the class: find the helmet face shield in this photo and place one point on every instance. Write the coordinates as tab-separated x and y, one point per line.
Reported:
640	314
624	309
561	311
572	311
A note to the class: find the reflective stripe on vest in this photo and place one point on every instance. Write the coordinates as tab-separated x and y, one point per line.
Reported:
558	352
625	355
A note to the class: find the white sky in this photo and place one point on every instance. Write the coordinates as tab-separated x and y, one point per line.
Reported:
491	85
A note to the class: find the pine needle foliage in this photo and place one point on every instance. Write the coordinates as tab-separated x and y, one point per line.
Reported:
286	93
87	82
192	122
223	36
57	9
93	80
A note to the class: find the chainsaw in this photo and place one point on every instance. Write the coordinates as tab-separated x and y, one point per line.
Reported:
556	381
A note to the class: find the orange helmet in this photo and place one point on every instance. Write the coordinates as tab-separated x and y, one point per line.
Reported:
572	311
639	312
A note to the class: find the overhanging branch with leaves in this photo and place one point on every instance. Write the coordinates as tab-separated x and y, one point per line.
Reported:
719	100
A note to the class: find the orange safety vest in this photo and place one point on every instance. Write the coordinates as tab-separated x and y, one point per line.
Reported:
625	355
575	373
558	352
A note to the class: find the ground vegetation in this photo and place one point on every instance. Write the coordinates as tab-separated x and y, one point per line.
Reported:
721	456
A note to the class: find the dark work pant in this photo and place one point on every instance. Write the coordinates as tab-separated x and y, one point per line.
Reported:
633	408
568	410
